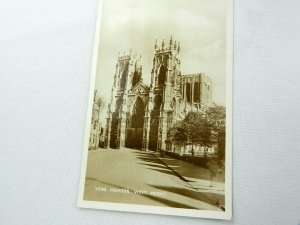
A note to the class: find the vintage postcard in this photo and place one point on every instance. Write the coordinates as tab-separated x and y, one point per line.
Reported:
159	127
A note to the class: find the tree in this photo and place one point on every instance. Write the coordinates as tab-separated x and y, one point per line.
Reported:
194	129
221	142
178	134
204	128
200	130
100	102
217	114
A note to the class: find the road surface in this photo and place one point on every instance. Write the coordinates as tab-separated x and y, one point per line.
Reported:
138	177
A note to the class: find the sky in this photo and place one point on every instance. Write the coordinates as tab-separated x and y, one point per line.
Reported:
199	26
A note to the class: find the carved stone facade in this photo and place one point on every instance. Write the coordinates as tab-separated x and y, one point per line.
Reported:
139	115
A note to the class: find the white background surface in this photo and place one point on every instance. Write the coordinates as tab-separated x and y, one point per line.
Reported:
45	63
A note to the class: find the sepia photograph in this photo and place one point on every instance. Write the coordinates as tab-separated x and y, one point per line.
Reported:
159	133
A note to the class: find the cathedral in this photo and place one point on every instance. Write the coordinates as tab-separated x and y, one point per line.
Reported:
139	115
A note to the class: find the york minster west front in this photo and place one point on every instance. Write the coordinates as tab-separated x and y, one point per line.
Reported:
139	115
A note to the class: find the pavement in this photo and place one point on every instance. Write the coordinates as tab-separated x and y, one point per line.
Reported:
198	178
146	178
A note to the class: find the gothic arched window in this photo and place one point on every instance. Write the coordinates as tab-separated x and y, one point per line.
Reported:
188	92
197	92
124	77
161	76
136	78
157	102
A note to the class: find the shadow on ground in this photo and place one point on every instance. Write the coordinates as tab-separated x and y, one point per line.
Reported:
165	202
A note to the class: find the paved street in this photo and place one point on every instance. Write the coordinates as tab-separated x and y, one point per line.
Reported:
138	177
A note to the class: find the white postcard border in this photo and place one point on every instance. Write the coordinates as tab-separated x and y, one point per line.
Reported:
227	215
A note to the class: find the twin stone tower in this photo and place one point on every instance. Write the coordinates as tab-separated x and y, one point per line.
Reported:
140	115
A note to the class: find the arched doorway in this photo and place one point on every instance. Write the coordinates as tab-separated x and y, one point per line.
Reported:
134	130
